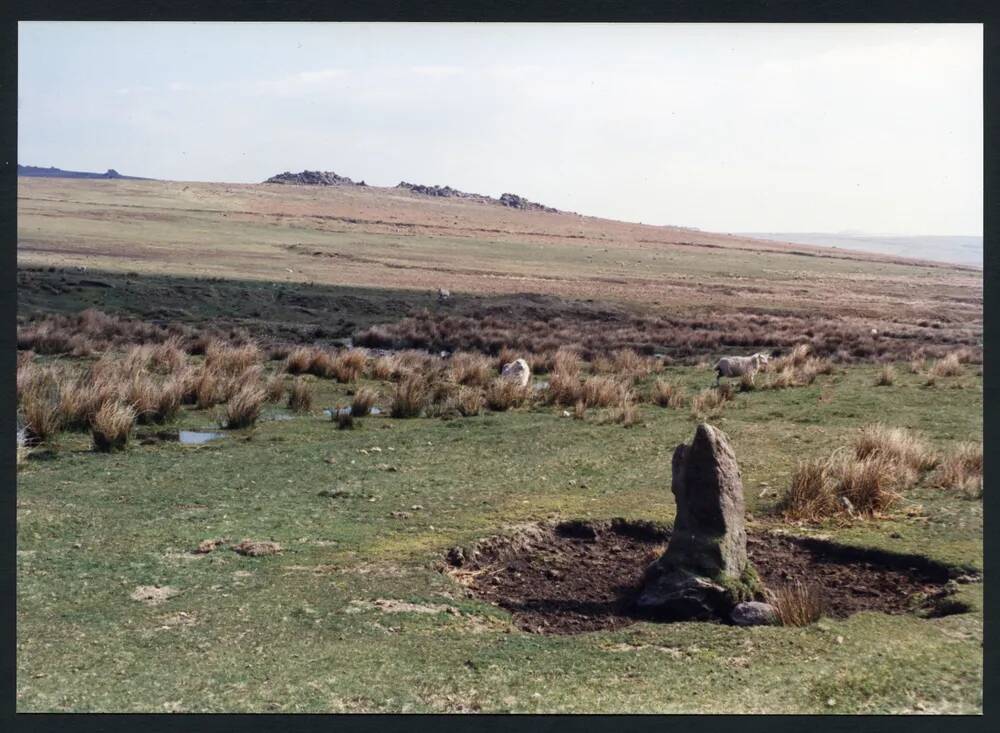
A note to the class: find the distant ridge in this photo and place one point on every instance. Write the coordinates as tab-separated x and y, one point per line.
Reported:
32	171
510	200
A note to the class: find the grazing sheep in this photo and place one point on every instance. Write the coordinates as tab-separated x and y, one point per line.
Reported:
737	366
443	295
517	370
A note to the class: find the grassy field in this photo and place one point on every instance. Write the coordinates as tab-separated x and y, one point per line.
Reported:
298	631
116	612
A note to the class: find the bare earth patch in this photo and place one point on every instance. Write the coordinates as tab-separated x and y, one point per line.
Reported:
256	548
577	576
386	605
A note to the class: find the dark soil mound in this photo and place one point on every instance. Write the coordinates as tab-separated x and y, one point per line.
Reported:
582	576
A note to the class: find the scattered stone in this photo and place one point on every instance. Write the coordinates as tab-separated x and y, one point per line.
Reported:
417	507
754	613
153	595
704	571
400	515
255	548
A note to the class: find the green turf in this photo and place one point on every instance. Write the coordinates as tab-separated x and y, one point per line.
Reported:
292	632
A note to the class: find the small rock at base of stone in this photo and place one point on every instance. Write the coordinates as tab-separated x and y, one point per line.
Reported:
754	613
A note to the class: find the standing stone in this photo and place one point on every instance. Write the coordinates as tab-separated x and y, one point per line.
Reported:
705	570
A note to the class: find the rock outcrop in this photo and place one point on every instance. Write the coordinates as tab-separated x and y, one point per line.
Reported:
313	178
704	572
513	201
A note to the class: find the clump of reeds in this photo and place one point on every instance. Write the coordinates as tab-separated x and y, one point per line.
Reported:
797	603
600	391
348	365
473	370
300	395
468	402
949	366
886	376
244	407
897	445
666	394
111	427
503	394
232	360
625	414
363	401
275	388
409	397
961	468
711	399
39	405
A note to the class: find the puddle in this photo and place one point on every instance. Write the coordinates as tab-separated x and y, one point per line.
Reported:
580	576
196	437
329	411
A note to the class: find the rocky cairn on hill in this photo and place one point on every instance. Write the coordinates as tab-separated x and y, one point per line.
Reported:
704	572
510	200
313	178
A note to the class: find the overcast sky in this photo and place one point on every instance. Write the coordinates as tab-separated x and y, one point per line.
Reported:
775	128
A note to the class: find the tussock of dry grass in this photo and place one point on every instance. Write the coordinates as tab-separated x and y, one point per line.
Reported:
961	468
232	360
300	395
275	388
600	391
949	366
666	394
245	406
711	399
343	419
38	389
348	366
626	414
897	445
865	481
503	394
886	376
797	603
468	402
112	426
473	370
363	400
409	397
580	410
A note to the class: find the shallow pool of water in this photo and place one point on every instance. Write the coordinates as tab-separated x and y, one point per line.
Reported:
196	437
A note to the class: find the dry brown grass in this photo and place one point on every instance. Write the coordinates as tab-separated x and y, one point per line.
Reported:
168	357
208	386
797	603
666	394
245	406
300	395
275	388
409	398
949	366
503	394
232	360
39	403
384	368
600	391
896	445
343	419
469	369
347	366
886	376
961	468
299	360
626	414
80	398
710	400
363	401
112	426
468	402
580	410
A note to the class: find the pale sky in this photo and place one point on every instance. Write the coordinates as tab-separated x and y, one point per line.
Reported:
725	127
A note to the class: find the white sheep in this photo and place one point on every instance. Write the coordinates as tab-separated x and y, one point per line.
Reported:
737	366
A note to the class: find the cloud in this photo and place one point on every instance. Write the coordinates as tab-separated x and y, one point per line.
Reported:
436	71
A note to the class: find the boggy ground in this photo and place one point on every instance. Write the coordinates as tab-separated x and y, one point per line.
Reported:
571	577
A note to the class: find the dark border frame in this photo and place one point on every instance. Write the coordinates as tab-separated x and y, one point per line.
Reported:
818	11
